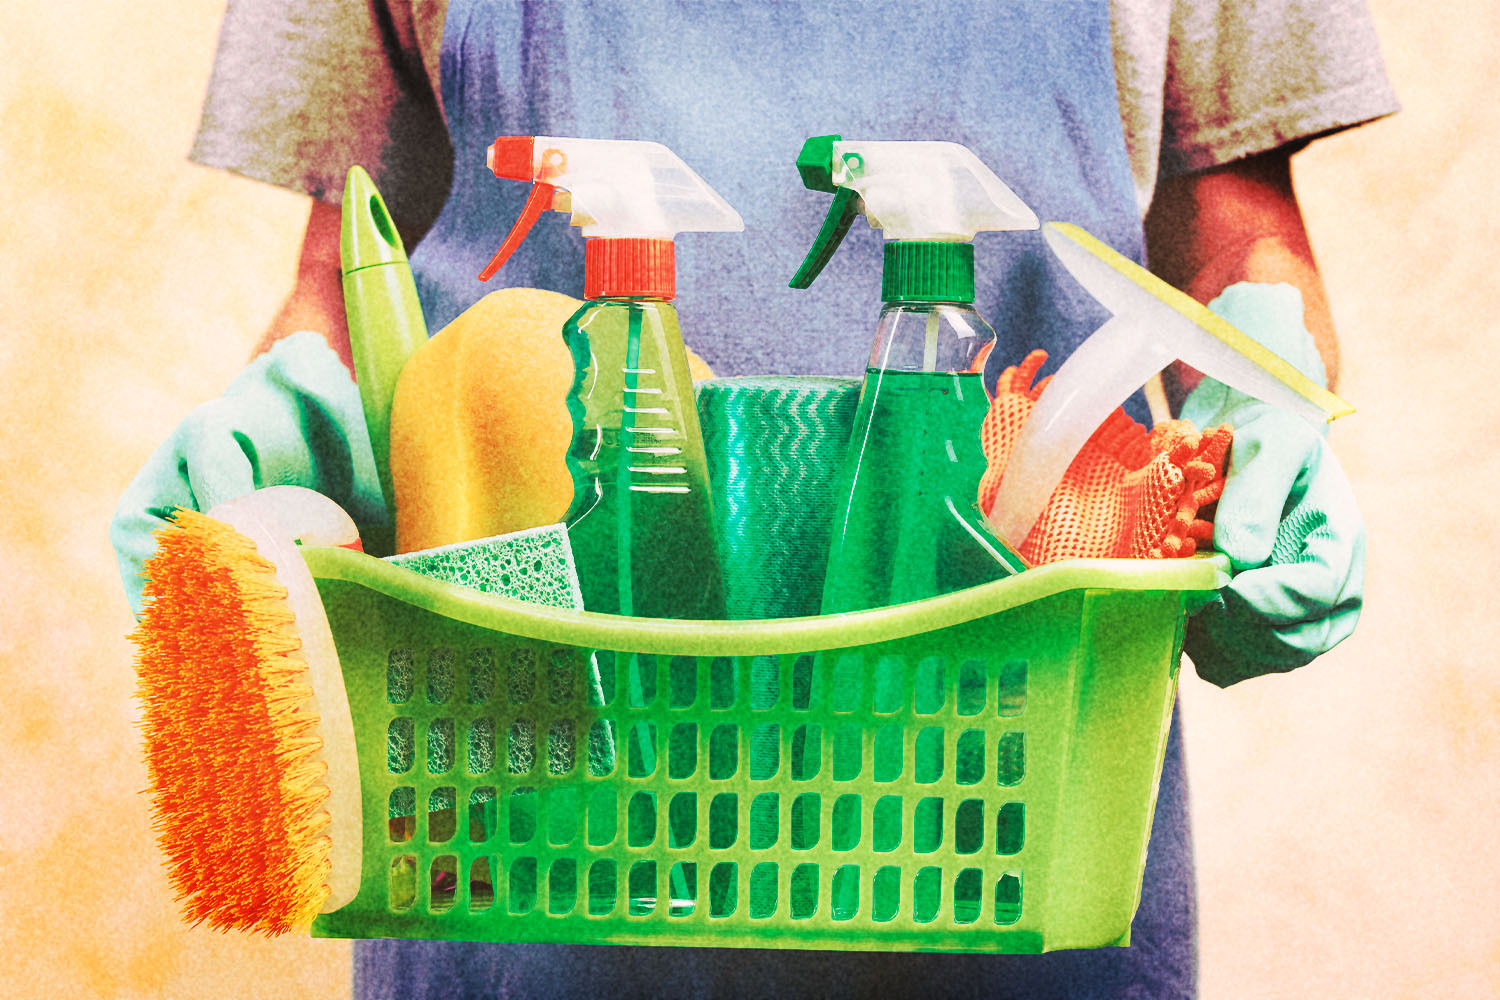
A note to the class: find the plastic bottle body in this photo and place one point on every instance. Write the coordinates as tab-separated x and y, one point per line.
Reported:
641	524
908	525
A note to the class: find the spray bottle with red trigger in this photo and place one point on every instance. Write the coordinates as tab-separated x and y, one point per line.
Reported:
641	524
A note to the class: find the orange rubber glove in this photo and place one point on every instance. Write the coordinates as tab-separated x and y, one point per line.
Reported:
1128	494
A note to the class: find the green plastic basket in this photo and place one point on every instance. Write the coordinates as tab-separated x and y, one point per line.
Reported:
974	772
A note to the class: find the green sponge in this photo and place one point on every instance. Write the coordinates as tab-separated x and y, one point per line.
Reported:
534	565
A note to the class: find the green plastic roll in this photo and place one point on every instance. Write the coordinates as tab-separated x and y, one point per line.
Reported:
775	445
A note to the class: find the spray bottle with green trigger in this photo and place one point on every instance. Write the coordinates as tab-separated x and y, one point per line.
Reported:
907	524
641	525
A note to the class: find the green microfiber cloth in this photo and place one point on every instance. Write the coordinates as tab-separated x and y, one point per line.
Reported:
775	446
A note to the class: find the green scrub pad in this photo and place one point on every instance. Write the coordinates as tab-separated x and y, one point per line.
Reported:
534	565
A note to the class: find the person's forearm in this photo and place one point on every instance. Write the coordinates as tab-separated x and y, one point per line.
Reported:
317	299
1239	222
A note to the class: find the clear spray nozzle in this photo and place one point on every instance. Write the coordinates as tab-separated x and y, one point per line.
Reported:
927	191
1152	325
610	188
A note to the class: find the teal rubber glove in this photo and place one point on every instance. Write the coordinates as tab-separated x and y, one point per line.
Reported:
1287	520
292	417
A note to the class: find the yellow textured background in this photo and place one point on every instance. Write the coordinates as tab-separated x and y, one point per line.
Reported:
1345	817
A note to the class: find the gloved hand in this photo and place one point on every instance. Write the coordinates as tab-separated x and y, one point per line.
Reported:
292	417
1287	520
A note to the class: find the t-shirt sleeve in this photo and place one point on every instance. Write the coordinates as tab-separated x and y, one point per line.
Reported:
1247	76
302	91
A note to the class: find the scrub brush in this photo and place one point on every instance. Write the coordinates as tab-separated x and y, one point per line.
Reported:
248	740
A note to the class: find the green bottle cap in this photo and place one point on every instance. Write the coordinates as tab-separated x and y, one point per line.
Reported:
924	271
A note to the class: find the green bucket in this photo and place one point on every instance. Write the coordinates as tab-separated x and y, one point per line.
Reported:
972	772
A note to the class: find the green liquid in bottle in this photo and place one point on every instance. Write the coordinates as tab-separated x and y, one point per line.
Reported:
910	526
641	525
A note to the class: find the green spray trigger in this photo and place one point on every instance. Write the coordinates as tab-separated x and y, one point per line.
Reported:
841	215
915	192
815	164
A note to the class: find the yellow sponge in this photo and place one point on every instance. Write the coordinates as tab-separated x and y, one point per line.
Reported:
480	426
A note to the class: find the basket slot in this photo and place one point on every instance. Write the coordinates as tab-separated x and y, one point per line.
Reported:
520	746
562	748
442	815
765	821
440	745
765	751
403	814
481	885
642	888
723	682
442	884
724	821
402	885
1011	688
521	892
723	889
1008	898
480	674
682	682
682	751
765	682
401	743
520	675
604	892
640	743
562	886
483	814
807	683
481	746
968	757
968	895
521	817
400	676
441	668
724	751
1010	828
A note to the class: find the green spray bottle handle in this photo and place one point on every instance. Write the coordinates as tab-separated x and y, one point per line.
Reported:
814	164
915	192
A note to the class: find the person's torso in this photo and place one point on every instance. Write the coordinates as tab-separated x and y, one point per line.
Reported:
734	89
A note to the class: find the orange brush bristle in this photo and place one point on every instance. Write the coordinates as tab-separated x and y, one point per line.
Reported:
237	790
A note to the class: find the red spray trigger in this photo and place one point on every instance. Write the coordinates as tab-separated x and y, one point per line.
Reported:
510	157
537	202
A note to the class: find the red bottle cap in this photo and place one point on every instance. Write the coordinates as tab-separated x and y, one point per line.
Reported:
629	268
